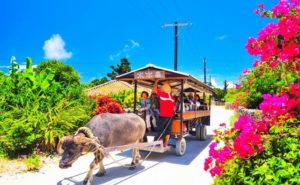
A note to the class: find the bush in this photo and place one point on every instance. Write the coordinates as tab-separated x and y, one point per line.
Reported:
64	74
33	162
265	150
126	98
107	104
36	108
265	79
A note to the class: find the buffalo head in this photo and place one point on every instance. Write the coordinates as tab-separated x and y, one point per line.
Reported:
71	148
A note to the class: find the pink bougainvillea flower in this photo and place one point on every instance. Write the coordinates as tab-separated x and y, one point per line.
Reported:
262	126
207	163
256	63
212	150
277	44
245	71
245	144
274	105
216	171
261	5
251	46
274	63
282	9
295	89
295	2
244	124
270	29
225	154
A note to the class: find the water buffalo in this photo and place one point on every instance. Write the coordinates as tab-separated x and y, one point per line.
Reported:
104	130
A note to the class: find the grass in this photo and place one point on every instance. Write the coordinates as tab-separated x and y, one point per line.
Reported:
33	162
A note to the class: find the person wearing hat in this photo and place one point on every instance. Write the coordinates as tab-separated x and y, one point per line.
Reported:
166	108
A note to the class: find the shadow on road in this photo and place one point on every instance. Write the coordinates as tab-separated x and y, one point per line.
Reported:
119	174
194	148
112	173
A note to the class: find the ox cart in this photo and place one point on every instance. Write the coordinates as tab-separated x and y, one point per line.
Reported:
184	122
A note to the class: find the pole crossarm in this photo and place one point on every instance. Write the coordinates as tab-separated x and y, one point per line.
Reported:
176	24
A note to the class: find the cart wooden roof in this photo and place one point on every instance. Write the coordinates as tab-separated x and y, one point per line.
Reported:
146	76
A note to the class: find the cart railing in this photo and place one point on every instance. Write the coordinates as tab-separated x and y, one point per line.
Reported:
188	115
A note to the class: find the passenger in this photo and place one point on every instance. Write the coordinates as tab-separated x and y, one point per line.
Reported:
203	105
178	104
145	105
191	102
166	109
197	102
155	106
186	103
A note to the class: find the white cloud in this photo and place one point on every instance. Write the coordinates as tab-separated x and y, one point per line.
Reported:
231	85
127	48
112	57
220	85
54	48
221	37
22	67
215	83
134	44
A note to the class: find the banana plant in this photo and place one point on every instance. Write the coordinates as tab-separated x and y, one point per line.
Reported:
14	66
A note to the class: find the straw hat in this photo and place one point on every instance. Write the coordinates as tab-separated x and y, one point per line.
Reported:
166	87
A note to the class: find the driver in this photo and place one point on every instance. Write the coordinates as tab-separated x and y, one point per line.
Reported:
167	106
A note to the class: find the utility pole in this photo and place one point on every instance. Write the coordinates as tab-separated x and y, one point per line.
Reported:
204	69
176	25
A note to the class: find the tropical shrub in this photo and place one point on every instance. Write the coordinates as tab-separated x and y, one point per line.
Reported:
278	49
64	74
266	79
265	150
126	98
107	104
37	109
120	96
219	94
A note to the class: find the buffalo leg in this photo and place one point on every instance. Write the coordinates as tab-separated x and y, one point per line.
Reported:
99	156
135	158
98	160
89	177
101	171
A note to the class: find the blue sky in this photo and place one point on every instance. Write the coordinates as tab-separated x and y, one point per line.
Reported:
91	35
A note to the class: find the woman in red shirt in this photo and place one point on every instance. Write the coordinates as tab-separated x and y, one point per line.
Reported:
166	108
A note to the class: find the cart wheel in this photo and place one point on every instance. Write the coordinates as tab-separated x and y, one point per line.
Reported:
201	132
180	147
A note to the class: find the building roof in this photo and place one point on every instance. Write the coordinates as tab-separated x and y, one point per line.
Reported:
111	87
